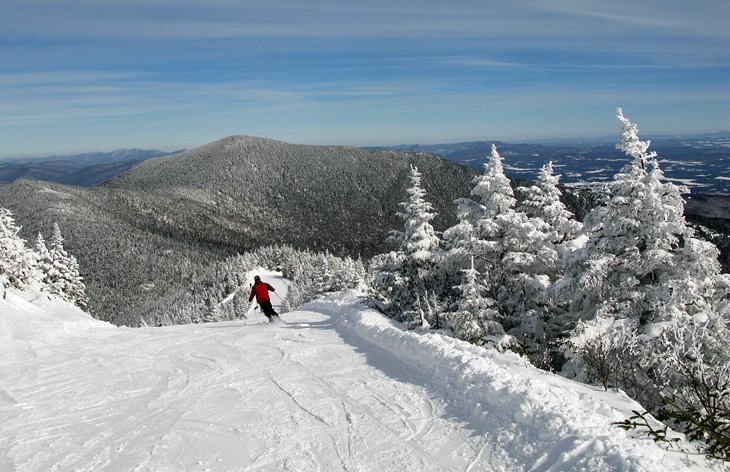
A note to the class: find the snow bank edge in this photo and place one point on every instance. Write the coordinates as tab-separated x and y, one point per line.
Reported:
544	421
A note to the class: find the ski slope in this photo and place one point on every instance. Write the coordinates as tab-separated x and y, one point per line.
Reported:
335	387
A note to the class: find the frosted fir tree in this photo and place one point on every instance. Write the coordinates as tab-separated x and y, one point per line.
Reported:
490	195
642	261
642	268
387	282
66	281
459	247
401	278
474	320
511	250
492	190
321	273
542	200
42	253
213	311
293	297
45	261
350	274
18	265
418	240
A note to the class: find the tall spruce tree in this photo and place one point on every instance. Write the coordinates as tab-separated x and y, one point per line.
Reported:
465	241
418	240
402	278
475	319
641	261
511	250
66	281
650	303
45	261
542	200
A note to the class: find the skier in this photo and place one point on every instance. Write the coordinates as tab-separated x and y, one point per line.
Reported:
261	291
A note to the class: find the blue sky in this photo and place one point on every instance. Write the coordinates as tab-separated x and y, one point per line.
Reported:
99	75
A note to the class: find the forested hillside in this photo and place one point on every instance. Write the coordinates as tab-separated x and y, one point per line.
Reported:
251	192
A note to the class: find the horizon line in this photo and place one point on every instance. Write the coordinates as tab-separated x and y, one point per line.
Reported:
169	149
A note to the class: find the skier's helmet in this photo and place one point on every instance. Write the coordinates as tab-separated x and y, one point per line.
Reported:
257	278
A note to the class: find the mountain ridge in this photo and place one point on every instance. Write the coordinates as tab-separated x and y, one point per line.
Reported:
78	169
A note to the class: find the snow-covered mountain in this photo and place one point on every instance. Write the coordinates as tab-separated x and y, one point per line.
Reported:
335	387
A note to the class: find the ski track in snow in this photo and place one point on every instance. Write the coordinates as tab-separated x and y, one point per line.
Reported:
221	396
311	394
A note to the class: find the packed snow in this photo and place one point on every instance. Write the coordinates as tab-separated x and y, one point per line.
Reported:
334	386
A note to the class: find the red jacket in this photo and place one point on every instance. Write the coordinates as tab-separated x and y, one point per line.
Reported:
261	291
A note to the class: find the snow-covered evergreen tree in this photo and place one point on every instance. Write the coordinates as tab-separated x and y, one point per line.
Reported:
459	247
475	318
643	269
542	200
465	241
65	281
351	273
213	311
320	273
18	264
511	250
45	261
642	261
401	278
492	190
418	240
386	281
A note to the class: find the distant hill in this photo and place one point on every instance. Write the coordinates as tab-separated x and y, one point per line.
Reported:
256	191
80	169
153	229
699	162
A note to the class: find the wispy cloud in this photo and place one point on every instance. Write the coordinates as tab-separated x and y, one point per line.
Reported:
325	68
704	18
170	20
25	79
478	62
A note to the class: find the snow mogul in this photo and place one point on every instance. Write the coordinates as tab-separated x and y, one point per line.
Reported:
261	290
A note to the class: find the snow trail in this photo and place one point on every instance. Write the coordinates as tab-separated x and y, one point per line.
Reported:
219	396
334	388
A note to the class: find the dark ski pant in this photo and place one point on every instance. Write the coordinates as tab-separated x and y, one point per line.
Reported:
268	310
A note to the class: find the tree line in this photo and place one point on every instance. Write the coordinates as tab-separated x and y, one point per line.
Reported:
221	293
